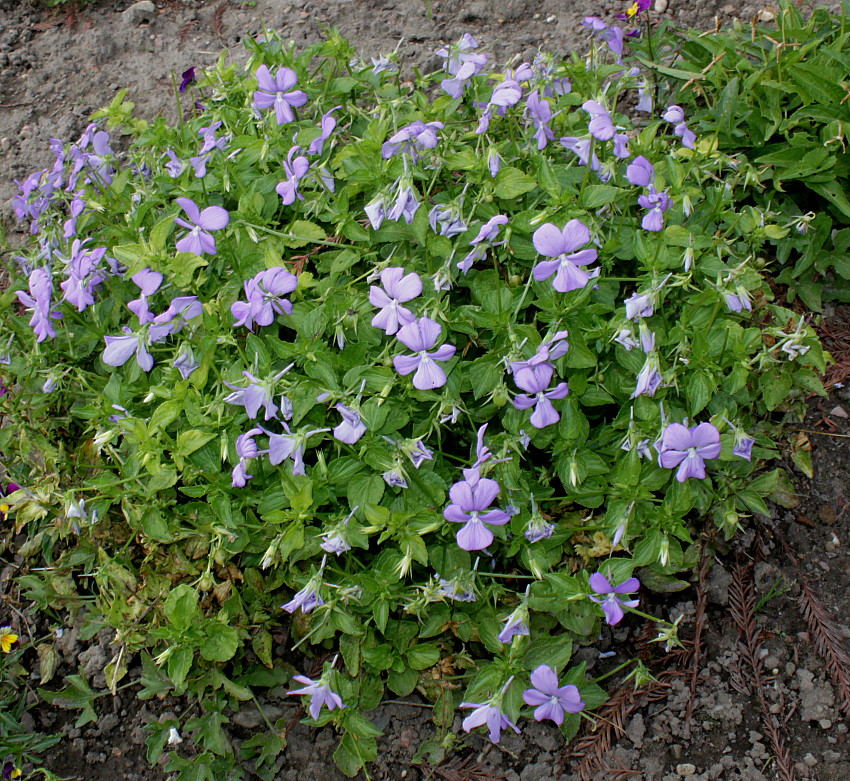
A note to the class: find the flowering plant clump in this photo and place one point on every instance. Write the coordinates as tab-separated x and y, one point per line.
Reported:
437	377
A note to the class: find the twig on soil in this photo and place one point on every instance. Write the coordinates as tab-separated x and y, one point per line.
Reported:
217	16
825	632
459	770
699	625
591	748
742	602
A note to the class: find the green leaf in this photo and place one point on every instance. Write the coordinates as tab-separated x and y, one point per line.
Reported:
774	388
511	183
189	441
209	734
423	655
596	195
302	233
77	695
181	606
179	664
220	643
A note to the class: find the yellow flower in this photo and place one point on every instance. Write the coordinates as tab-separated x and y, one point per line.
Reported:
7	639
632	9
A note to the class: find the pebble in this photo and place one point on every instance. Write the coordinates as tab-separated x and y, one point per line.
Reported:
142	12
810	760
825	723
766	15
838	412
660	6
686	769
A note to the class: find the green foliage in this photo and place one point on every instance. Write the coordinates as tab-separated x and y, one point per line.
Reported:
159	497
775	98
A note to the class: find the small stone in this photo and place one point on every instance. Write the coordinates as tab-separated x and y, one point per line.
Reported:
838	412
660	6
142	12
826	514
809	760
766	15
686	769
825	723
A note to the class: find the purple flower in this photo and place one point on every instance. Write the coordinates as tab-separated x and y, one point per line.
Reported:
406	202
289	445
120	348
420	336
246	448
458	54
645	102
488	713
494	162
540	113
198	241
608	596
38	300
295	171
549	350
180	311
334	542
638	305
265	298
450	219
743	445
416	451
69	227
148	283
657	203
626	338
535	380
455	590
688	449
469	507
649	377
559	244
410	139
640	172
351	428
307	599
739	300
319	693
676	116
83	277
621	148
581	148
210	140
258	393
376	211
483	241
551	701
326	127
601	127
185	363
395	477
505	94
188	76
515	624
398	289
276	92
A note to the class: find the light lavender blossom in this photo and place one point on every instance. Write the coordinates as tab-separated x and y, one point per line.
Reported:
420	336
608	597
688	449
278	92
198	240
560	244
38	300
549	700
398	288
